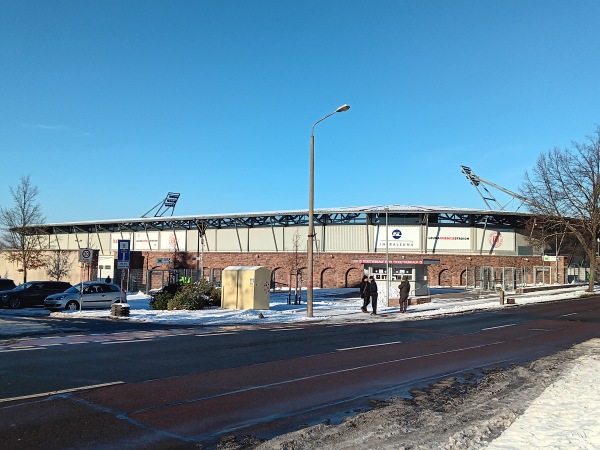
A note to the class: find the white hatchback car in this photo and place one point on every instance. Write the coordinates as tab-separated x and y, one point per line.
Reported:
95	295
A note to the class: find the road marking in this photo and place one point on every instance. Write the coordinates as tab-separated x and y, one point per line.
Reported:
367	346
570	314
63	391
324	374
501	326
20	349
128	341
214	334
286	329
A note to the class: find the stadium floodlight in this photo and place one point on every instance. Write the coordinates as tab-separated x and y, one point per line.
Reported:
164	205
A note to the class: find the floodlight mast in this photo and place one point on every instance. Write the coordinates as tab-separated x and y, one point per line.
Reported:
480	183
164	205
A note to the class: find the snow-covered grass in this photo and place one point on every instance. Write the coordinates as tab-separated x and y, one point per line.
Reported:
335	305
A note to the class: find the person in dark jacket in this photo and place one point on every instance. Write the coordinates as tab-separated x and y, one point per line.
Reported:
373	292
404	288
365	293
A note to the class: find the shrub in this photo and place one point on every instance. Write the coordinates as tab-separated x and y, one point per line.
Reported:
215	297
161	299
191	296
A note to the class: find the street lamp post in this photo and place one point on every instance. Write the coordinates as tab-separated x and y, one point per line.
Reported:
387	257
311	213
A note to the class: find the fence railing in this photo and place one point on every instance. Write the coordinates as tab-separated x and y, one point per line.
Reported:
509	279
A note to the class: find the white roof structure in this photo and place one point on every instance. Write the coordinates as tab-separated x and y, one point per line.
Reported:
341	215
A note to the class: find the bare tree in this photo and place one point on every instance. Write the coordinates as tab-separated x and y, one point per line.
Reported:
563	191
295	259
20	239
59	264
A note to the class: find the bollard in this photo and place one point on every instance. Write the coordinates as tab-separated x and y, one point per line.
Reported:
119	310
502	297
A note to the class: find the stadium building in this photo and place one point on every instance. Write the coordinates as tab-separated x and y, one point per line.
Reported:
433	246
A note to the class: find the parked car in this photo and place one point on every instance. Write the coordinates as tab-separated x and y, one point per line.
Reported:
7	284
31	293
95	295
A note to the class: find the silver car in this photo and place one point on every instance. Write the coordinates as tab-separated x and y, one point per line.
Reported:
95	295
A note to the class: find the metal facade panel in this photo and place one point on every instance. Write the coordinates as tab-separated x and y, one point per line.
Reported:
266	239
231	240
58	241
295	238
345	238
85	240
105	243
192	240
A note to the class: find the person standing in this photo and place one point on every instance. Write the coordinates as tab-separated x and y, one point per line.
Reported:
365	293
108	280
404	288
373	293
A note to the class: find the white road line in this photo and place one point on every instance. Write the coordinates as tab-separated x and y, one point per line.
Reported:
501	326
128	341
286	329
214	334
20	349
334	372
367	346
570	314
63	391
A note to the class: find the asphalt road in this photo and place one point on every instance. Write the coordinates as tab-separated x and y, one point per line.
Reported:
120	385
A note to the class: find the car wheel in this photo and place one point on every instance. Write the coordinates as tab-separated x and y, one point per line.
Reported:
14	303
72	306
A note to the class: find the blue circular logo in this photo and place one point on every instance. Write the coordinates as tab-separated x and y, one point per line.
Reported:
396	234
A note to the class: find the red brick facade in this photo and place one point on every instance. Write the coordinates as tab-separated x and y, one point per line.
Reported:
334	270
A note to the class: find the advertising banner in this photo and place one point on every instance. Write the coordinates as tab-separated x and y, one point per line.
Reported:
399	237
173	241
495	240
448	238
145	241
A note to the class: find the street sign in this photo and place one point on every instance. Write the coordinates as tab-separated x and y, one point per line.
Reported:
123	254
163	260
86	255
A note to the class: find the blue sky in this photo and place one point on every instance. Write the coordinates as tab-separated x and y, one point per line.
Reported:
108	105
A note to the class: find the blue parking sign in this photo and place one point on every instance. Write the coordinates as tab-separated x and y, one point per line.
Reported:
123	253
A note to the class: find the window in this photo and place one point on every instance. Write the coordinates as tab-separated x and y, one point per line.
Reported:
109	288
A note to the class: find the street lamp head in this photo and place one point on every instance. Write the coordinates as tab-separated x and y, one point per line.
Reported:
342	108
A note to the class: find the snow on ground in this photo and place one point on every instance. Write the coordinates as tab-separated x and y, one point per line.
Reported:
337	305
564	416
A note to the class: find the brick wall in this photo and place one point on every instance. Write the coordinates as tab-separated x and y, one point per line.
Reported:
333	270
